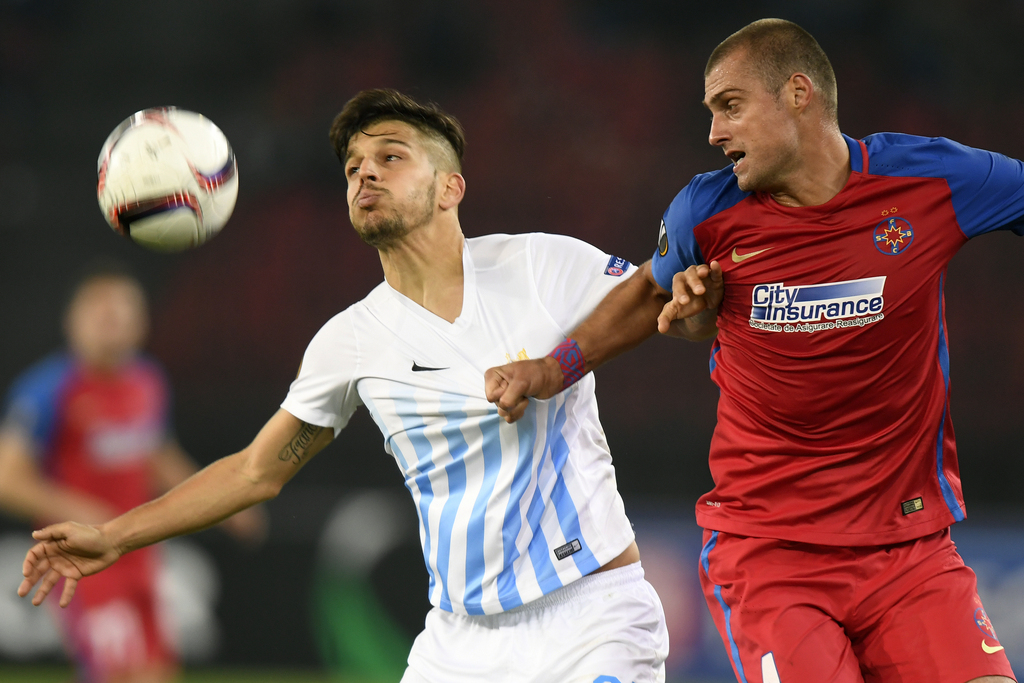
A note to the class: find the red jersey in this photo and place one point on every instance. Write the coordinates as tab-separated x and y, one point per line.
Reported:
95	433
831	356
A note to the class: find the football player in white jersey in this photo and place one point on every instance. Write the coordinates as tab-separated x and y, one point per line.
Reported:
534	573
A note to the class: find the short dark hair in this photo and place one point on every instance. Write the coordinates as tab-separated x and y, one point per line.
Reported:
102	268
372	106
777	49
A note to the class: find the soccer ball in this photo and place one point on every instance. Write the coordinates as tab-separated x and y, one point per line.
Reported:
167	179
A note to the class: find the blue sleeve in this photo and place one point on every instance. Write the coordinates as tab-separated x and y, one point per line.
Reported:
32	405
706	195
987	188
677	248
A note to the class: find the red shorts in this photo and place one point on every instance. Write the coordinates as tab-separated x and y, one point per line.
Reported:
801	613
112	626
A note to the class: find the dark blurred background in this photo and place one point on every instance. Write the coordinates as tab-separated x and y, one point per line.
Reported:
582	118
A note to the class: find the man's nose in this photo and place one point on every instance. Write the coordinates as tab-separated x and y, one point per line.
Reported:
719	133
368	171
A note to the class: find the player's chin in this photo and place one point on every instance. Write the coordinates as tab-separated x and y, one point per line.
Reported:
745	182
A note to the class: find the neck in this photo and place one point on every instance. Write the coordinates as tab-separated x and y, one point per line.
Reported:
100	363
426	267
823	170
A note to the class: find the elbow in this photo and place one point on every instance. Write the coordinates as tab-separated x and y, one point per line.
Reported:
267	490
262	483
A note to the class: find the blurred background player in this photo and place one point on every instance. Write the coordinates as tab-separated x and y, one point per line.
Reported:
534	572
85	437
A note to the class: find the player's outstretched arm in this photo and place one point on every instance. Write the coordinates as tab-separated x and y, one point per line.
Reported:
221	489
171	465
625	317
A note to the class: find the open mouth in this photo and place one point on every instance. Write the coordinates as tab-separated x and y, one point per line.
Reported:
736	156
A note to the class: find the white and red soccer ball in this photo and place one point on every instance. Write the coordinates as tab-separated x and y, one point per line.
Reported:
167	179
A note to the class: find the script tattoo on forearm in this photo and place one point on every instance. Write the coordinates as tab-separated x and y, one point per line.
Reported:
298	446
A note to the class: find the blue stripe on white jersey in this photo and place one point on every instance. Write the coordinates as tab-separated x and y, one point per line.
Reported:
512	524
568	516
417	451
475	537
456	479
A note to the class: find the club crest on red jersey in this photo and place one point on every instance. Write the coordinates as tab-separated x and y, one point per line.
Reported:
893	235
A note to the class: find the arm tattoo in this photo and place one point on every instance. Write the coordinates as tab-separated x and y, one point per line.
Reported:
298	446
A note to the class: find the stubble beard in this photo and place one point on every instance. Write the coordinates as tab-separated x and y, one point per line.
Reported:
772	177
384	230
778	163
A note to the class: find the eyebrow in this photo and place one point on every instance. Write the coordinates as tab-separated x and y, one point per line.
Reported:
387	141
720	96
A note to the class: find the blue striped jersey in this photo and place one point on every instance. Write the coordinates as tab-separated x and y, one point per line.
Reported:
507	513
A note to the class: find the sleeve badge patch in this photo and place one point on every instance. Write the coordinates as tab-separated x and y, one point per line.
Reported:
662	240
616	266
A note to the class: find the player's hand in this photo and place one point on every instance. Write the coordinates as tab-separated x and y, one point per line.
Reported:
68	550
510	386
696	289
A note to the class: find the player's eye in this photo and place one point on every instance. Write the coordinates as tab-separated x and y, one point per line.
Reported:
392	157
352	170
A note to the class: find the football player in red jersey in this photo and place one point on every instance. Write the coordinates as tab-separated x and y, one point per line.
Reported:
818	262
85	437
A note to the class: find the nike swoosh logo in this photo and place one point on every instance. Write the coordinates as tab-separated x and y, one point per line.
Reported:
420	368
990	649
739	258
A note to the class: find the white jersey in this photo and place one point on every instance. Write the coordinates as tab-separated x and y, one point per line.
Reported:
507	513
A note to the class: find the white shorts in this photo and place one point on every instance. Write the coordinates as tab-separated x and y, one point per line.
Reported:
607	627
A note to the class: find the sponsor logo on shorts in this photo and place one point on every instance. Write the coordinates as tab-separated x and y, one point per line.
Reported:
616	266
850	304
912	505
564	551
893	236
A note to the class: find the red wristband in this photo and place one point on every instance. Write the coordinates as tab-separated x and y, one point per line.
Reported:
570	360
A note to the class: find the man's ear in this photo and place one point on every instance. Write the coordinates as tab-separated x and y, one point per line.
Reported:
799	91
452	192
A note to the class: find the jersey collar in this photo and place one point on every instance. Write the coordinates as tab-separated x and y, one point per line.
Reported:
468	298
858	155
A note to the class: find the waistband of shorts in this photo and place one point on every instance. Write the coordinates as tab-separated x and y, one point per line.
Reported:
585	587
